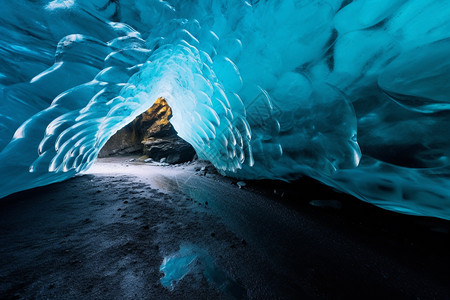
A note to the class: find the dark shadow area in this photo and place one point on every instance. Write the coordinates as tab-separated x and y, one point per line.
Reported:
419	242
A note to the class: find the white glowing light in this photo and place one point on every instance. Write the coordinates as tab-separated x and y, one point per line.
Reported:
55	4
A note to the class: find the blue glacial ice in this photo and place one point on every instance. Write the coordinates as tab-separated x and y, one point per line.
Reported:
191	258
353	93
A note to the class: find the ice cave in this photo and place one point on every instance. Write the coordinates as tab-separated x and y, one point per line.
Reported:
352	93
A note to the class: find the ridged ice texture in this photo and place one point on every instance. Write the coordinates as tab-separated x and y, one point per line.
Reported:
353	93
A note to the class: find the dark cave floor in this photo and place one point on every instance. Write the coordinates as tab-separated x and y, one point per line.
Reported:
105	235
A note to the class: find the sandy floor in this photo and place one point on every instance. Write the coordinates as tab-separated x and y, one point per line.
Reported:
130	230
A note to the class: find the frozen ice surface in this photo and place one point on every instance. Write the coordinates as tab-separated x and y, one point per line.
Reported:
191	258
353	93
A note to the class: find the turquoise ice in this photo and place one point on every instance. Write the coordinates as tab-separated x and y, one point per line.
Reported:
353	93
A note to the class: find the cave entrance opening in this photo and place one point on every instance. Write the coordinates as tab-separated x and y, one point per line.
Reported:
150	136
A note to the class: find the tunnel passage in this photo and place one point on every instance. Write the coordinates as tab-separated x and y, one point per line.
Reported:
262	89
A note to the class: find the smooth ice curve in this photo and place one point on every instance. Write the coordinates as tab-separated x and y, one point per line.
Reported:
353	93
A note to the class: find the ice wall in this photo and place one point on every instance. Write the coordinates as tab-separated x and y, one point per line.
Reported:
352	93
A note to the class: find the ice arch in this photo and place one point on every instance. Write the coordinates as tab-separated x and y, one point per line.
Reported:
353	93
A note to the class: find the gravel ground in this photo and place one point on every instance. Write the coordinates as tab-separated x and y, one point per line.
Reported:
133	230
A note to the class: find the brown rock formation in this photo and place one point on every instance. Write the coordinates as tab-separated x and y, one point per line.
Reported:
154	123
151	134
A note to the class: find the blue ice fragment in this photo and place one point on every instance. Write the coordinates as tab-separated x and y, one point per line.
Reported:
192	258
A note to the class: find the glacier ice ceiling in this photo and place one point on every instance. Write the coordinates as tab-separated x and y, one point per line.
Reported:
353	93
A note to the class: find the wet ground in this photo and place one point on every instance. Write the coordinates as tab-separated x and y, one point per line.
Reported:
130	230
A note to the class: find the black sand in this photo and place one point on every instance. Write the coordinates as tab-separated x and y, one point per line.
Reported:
105	234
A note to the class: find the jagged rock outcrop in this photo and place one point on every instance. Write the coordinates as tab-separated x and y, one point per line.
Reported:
151	134
125	141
